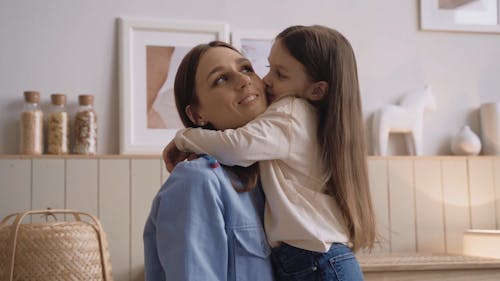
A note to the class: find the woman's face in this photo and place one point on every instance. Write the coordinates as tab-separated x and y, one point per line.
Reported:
287	76
229	92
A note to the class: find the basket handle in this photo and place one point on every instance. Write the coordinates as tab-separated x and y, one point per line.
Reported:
76	214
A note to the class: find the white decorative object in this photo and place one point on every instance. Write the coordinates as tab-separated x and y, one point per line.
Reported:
466	142
406	118
490	128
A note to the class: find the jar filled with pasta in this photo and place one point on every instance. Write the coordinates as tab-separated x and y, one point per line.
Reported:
57	126
85	126
31	124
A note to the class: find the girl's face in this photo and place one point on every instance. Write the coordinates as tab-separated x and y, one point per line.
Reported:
287	76
229	92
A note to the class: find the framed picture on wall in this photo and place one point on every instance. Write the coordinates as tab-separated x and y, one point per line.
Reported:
150	53
460	15
255	45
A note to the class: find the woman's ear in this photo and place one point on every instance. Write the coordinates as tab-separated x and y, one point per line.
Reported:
194	116
317	91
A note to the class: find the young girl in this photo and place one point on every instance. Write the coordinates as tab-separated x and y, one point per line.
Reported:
311	153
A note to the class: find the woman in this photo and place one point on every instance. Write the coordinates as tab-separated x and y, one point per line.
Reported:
206	220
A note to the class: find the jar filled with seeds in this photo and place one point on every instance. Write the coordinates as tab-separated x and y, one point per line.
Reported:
57	125
31	124
85	126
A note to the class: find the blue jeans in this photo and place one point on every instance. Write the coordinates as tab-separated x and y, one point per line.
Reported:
294	264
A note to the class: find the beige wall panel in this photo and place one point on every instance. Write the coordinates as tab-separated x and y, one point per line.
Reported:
456	203
164	173
496	178
145	182
429	206
482	193
377	172
402	205
15	186
114	212
82	185
48	184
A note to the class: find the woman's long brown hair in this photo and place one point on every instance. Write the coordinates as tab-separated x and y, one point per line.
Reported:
185	94
328	56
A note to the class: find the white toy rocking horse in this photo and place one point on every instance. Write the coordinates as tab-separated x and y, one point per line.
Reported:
406	118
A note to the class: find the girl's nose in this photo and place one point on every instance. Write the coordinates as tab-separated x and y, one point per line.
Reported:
266	80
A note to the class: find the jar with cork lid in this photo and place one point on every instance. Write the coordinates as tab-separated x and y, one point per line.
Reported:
85	126
31	124
57	126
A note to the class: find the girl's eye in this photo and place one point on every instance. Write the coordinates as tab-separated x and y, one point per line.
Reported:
277	72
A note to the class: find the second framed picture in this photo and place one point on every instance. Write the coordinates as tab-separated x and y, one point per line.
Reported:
255	45
150	53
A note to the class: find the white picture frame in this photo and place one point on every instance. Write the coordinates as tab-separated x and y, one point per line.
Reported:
255	45
460	15
140	40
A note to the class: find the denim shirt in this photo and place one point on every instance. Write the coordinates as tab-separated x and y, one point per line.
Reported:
200	228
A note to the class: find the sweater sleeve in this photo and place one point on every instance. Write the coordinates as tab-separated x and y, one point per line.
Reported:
190	236
268	137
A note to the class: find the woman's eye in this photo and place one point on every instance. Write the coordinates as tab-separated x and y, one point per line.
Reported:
221	79
246	69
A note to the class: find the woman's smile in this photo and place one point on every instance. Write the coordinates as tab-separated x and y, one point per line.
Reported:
248	99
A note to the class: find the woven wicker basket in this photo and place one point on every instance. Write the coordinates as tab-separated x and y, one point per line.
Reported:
56	250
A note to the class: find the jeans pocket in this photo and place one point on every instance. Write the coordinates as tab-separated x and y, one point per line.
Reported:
295	264
346	267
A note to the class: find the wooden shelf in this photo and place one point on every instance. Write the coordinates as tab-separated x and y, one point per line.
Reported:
152	156
78	156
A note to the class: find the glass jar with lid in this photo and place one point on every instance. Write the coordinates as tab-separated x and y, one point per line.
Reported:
31	124
57	125
85	126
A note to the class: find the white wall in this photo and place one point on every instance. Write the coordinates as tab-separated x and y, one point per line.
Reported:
72	47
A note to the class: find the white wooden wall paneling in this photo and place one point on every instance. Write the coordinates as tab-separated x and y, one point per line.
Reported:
164	173
429	206
145	182
82	185
421	204
114	212
377	173
15	187
49	186
496	180
482	192
456	202
402	205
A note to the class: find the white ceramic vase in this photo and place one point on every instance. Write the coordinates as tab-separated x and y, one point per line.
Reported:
490	128
466	142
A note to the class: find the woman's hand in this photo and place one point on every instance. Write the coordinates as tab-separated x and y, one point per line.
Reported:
172	156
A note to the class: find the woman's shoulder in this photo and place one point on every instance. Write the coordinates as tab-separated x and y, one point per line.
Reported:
198	166
200	172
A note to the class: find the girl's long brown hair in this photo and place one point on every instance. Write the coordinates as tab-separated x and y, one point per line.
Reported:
185	94
328	56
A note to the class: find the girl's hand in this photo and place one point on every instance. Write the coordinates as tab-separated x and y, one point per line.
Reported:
172	156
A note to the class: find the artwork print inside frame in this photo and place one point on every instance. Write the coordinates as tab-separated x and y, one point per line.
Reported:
460	15
150	53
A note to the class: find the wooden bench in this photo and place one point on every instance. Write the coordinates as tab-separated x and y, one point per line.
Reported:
428	267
